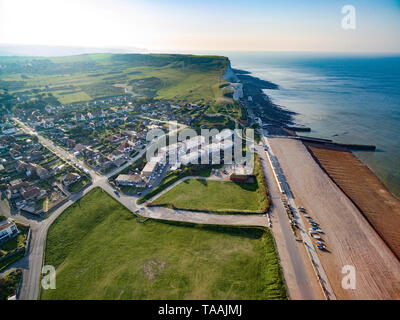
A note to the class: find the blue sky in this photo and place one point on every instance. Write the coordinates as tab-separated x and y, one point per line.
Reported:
177	25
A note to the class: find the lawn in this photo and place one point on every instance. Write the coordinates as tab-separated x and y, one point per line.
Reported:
9	284
219	196
174	176
103	251
209	195
15	243
13	249
78	185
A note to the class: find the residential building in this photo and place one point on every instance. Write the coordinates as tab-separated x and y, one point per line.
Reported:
70	178
30	193
115	155
8	230
129	180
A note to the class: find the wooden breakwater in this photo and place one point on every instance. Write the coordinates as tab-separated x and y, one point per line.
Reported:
298	129
330	143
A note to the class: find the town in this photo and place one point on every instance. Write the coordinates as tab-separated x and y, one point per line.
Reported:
32	178
105	135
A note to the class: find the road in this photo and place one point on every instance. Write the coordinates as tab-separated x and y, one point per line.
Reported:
293	264
296	277
317	265
31	264
350	239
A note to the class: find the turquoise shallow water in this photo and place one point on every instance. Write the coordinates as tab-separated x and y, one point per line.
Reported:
352	99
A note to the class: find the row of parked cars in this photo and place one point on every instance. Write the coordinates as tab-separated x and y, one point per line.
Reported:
315	230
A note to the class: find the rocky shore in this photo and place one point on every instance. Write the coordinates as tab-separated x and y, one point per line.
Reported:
259	105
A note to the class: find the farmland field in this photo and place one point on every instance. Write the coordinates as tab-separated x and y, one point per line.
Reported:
179	78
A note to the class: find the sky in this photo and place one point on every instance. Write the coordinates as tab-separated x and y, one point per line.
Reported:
203	25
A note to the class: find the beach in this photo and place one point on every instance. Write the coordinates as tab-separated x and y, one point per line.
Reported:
350	239
380	207
359	215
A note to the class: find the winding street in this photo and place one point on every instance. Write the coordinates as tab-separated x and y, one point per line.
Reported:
31	263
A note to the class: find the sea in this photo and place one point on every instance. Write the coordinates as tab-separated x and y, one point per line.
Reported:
348	98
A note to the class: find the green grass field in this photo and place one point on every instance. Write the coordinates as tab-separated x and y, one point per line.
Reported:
178	78
208	195
219	196
102	251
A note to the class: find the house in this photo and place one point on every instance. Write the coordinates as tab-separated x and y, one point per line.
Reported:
31	193
129	180
133	142
116	155
79	147
41	172
116	138
8	230
21	166
35	156
68	142
9	130
153	165
125	147
70	178
80	117
16	185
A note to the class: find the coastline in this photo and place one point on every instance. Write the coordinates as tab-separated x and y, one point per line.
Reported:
378	208
284	124
378	205
349	237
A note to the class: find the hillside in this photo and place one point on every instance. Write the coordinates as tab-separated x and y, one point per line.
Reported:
32	82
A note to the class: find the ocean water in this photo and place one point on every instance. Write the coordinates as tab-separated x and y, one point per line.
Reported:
346	98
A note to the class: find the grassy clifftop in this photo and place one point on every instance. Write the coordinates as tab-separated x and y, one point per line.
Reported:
180	78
